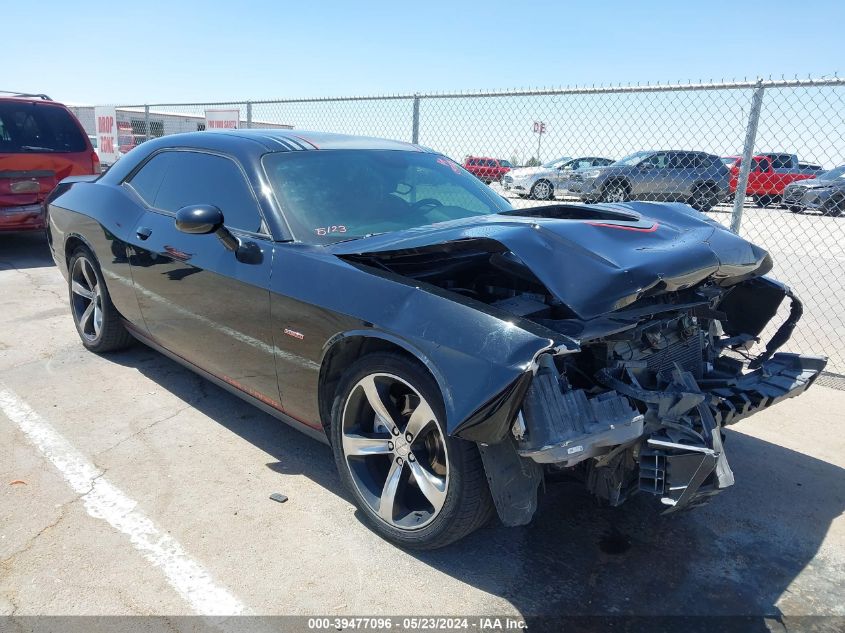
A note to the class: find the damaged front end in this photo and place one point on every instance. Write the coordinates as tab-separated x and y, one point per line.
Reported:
659	309
641	408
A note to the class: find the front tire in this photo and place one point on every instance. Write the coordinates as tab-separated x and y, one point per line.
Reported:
96	319
414	485
615	192
542	190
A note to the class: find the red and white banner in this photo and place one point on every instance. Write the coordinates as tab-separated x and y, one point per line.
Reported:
105	124
222	119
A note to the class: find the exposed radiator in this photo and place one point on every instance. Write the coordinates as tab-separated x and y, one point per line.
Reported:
687	353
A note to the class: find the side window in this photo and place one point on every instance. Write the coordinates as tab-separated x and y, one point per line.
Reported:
491	162
195	178
782	161
763	164
659	161
147	181
682	160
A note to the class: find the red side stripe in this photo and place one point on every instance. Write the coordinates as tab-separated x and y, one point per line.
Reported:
623	227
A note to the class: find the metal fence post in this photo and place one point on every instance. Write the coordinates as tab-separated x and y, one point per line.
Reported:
415	129
747	155
146	123
249	114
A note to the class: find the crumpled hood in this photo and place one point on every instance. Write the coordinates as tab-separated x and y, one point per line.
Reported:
599	258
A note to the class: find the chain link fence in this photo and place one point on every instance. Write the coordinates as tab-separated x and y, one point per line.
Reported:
760	157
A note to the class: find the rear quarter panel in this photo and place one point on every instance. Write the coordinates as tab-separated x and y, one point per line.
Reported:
101	216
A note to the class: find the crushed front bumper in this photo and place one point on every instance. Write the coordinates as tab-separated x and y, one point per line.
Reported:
671	439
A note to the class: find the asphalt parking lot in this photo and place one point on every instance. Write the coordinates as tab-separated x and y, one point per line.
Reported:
185	523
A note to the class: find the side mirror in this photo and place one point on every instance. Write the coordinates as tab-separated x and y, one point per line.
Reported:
199	219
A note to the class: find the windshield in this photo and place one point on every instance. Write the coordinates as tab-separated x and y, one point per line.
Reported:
557	162
334	195
729	160
504	163
833	174
633	159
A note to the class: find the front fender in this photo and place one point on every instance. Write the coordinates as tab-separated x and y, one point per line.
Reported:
482	378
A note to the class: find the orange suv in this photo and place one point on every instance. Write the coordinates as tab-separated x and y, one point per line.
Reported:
41	142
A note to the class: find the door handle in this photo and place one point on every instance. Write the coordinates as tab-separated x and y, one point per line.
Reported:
143	232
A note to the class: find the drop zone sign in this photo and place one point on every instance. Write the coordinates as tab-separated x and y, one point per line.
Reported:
222	119
105	122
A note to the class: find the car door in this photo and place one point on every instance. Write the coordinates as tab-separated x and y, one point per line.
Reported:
648	177
767	177
562	173
680	174
759	176
198	300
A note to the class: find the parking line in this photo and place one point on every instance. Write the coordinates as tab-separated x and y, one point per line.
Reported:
105	501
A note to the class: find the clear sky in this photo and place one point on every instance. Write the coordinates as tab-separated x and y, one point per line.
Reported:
155	51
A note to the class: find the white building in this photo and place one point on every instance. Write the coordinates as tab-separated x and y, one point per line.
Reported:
160	123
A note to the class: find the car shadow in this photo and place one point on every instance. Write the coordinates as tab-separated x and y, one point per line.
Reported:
24	250
741	555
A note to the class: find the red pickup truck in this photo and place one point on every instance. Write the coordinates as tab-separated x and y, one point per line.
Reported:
487	169
769	175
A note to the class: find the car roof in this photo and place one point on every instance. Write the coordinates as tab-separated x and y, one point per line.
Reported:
295	140
31	99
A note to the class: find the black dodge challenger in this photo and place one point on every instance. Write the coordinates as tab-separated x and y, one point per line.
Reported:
453	351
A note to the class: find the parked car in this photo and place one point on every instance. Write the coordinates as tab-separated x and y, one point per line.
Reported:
487	169
541	183
452	350
699	179
810	167
41	142
769	175
825	193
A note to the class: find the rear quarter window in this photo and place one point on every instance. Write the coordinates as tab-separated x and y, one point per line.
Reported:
147	181
33	127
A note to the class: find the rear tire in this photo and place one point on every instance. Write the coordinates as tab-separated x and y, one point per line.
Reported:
703	198
97	321
420	494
